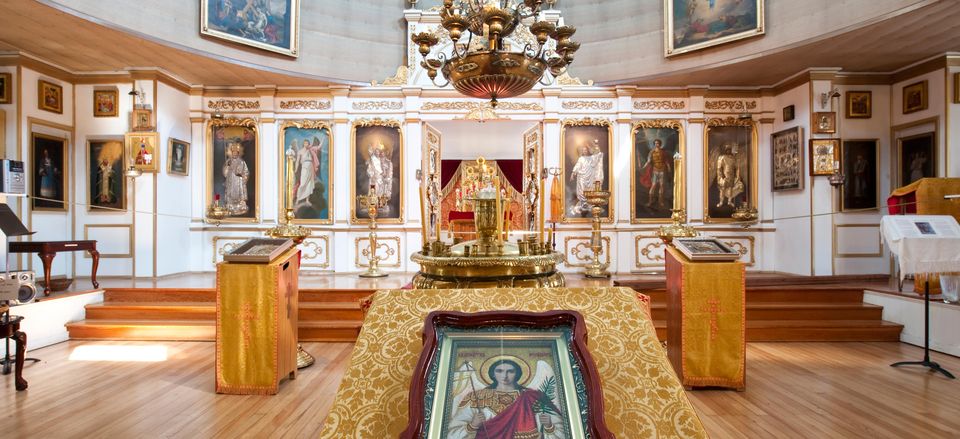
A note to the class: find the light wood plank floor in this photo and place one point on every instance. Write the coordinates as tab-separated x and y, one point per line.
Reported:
841	390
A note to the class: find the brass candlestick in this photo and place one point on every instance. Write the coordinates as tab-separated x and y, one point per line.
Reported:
288	229
372	202
679	228
745	215
216	211
597	198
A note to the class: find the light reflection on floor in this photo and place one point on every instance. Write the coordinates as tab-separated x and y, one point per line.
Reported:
119	353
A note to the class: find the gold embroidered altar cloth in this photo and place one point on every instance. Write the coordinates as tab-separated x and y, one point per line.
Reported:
642	397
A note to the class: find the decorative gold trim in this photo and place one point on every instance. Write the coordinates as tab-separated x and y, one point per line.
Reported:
382	249
377	105
281	167
468	106
836	242
129	254
226	247
580	247
292	51
533	141
433	146
586	121
587	105
398	79
391	123
233	104
668	32
682	145
647	250
754	172
730	105
740	248
234	122
566	79
302	104
311	243
659	105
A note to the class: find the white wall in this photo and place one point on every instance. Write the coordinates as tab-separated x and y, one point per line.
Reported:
173	213
791	209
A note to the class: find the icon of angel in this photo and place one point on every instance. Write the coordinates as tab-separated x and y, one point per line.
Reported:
503	399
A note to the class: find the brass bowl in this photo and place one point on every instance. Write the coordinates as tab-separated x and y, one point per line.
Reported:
494	75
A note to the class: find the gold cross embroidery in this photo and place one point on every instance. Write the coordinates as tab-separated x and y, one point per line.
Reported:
713	307
246	317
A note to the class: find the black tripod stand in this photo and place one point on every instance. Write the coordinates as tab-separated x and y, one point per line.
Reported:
926	338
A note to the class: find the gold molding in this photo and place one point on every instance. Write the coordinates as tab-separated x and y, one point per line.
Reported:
582	246
303	104
469	105
398	79
754	158
377	105
586	121
311	242
233	104
281	169
226	247
390	123
130	239
647	250
364	122
730	105
659	105
252	124
682	150
587	105
740	248
836	242
390	252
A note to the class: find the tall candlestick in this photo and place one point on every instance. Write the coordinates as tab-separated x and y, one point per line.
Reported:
540	195
438	229
496	189
423	217
290	171
677	181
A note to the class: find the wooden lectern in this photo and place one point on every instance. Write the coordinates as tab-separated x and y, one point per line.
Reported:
257	324
706	322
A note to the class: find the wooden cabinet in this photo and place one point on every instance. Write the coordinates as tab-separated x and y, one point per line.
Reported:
257	324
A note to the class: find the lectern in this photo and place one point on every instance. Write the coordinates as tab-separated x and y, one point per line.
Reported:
257	324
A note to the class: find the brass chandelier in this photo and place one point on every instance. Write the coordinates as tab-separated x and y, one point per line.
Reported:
490	71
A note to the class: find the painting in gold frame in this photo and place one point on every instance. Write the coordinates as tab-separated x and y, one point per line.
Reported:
106	185
859	104
272	25
48	172
956	88
178	157
308	144
105	103
915	97
49	96
824	122
142	150
652	176
376	160
787	157
824	156
585	148
688	27
730	171
861	165
233	170
6	88
141	120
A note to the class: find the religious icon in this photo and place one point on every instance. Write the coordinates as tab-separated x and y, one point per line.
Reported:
104	103
49	175
142	147
178	159
655	145
308	142
824	156
915	97
585	151
142	120
730	175
49	96
105	161
787	159
233	167
6	88
860	159
824	122
377	161
859	105
266	24
917	158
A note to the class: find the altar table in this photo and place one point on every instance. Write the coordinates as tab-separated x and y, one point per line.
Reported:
641	395
48	249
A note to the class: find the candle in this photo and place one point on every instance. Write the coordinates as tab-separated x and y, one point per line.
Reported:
499	213
677	181
540	194
438	230
423	216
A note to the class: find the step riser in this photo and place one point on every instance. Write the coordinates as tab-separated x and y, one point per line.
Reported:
172	295
794	314
197	334
795	296
206	313
793	334
309	314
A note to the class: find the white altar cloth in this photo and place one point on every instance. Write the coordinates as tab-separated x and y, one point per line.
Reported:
923	243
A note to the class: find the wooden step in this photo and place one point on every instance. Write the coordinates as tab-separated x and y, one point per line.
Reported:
813	330
210	295
792	295
797	311
197	330
331	295
332	331
312	311
152	311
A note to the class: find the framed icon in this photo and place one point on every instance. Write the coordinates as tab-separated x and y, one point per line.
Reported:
824	156
859	104
915	97
49	96
824	122
105	103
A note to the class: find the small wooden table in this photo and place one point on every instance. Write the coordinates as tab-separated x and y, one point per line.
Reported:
10	328
49	249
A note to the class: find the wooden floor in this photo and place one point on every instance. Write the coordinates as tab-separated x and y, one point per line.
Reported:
802	390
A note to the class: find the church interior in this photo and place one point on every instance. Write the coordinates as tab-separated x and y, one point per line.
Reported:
480	218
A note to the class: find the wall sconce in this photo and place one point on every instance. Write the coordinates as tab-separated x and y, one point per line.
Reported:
826	96
140	95
836	179
132	172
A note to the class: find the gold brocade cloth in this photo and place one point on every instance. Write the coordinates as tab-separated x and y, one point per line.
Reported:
642	397
248	327
709	346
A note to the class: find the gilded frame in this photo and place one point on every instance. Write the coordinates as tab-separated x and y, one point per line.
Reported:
281	171
292	48
777	166
252	125
376	122
918	90
752	197
6	88
956	88
147	139
819	160
572	124
112	96
824	122
186	156
49	96
673	124
934	156
671	47
859	113
91	207
64	173
845	163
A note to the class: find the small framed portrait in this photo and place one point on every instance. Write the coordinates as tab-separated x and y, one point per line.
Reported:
916	158
956	88
48	154
49	96
141	120
584	160
788	113
105	181
859	104
6	88
105	103
141	148
305	185
787	159
824	156
377	158
861	158
705	249
655	144
519	374
232	167
178	157
730	171
824	122
915	97
272	25
693	25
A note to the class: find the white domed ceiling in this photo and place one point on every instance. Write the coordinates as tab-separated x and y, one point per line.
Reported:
358	41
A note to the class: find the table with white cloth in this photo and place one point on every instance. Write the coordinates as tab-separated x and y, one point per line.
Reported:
933	250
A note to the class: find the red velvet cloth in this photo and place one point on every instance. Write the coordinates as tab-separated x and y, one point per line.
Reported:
457	215
903	204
